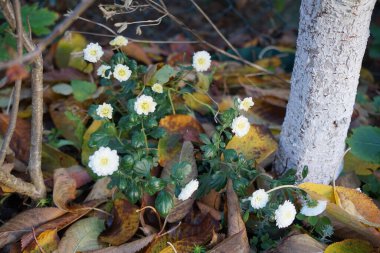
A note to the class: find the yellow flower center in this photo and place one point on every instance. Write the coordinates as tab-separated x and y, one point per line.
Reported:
245	104
201	61
105	111
122	72
144	106
93	52
241	125
104	161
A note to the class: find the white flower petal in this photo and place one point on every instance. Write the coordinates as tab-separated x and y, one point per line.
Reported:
101	71
240	126
93	52
145	105
104	161
188	190
246	103
157	88
119	41
122	72
259	199
315	210
104	111
285	214
201	61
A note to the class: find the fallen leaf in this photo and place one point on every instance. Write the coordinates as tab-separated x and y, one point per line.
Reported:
181	208
53	158
47	241
258	144
124	225
131	247
22	223
205	209
64	75
87	151
350	246
100	190
235	243
64	189
299	244
16	72
198	101
136	52
360	167
82	236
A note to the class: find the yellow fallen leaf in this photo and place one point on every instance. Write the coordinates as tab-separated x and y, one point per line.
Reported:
258	144
350	246
360	167
47	241
198	101
323	190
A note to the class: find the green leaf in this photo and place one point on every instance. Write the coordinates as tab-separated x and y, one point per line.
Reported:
63	89
142	168
365	143
102	136
82	236
163	75
181	170
157	132
312	220
164	203
82	90
134	192
39	19
204	138
154	185
138	140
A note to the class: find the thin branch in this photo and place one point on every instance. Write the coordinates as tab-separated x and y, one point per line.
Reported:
215	27
58	30
17	88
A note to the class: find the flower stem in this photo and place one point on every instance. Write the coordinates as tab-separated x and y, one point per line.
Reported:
283	186
171	101
145	137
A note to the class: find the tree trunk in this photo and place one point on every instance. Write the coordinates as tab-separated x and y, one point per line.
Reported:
330	47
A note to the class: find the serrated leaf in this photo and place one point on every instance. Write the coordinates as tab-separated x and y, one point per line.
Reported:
125	223
350	246
39	19
365	143
82	236
83	90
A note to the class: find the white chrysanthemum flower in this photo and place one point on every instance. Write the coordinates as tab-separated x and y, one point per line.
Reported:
245	104
93	52
104	161
259	199
144	105
285	214
358	189
102	71
157	88
188	190
104	111
119	41
201	61
240	126
311	209
122	72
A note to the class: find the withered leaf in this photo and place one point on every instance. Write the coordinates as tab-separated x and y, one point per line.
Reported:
47	241
131	247
125	223
64	189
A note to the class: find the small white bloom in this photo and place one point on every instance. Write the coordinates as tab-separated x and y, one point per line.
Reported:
157	88
201	61
144	105
314	210
285	214
240	126
93	52
102	71
358	189
259	199
119	41
104	111
122	72
188	190
245	104
104	161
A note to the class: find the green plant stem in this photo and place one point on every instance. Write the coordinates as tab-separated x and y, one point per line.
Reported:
145	137
202	103
171	101
282	187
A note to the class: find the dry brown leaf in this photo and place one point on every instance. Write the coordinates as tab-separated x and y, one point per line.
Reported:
299	244
185	125
136	52
131	247
64	189
22	223
235	243
124	225
205	209
47	241
100	190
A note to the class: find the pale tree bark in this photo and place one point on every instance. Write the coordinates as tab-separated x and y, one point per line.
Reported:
330	48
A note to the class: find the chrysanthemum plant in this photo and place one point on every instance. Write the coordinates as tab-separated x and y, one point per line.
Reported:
126	144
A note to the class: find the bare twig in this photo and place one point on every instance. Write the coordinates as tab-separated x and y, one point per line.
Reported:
59	29
17	88
215	28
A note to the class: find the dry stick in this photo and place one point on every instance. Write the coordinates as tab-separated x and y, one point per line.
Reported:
161	9
16	91
215	27
59	29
